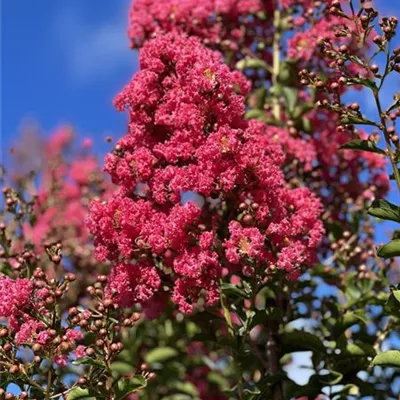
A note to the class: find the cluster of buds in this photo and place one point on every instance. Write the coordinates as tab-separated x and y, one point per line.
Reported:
53	250
388	26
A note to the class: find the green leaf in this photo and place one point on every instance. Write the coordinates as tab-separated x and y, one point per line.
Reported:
396	295
348	320
131	385
301	109
288	74
251	394
364	82
396	234
311	390
301	341
258	114
290	94
392	306
79	393
362	145
122	368
89	361
261	94
251	63
233	290
383	209
186	388
261	15
218	380
306	126
390	250
160	354
356	119
333	378
349	390
360	349
387	358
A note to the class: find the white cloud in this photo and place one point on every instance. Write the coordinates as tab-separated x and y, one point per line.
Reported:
94	48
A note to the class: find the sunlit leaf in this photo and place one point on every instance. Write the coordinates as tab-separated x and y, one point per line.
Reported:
383	209
160	354
389	250
387	358
362	145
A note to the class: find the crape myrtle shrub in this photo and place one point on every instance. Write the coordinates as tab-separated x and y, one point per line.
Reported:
235	224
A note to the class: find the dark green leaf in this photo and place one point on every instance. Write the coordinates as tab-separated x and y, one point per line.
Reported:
392	306
233	290
301	341
347	321
362	145
89	361
128	386
383	209
396	234
311	390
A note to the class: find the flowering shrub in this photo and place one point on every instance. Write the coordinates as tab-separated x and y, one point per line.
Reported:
237	228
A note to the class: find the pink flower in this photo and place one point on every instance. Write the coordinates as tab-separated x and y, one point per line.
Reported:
14	295
74	335
243	243
80	351
150	17
43	337
61	360
132	283
28	331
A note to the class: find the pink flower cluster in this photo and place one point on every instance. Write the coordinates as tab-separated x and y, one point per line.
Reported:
21	302
187	135
216	22
15	295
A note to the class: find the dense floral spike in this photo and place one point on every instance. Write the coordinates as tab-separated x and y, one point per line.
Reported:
306	156
187	135
216	22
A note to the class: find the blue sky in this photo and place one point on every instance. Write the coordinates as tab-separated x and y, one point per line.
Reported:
63	61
